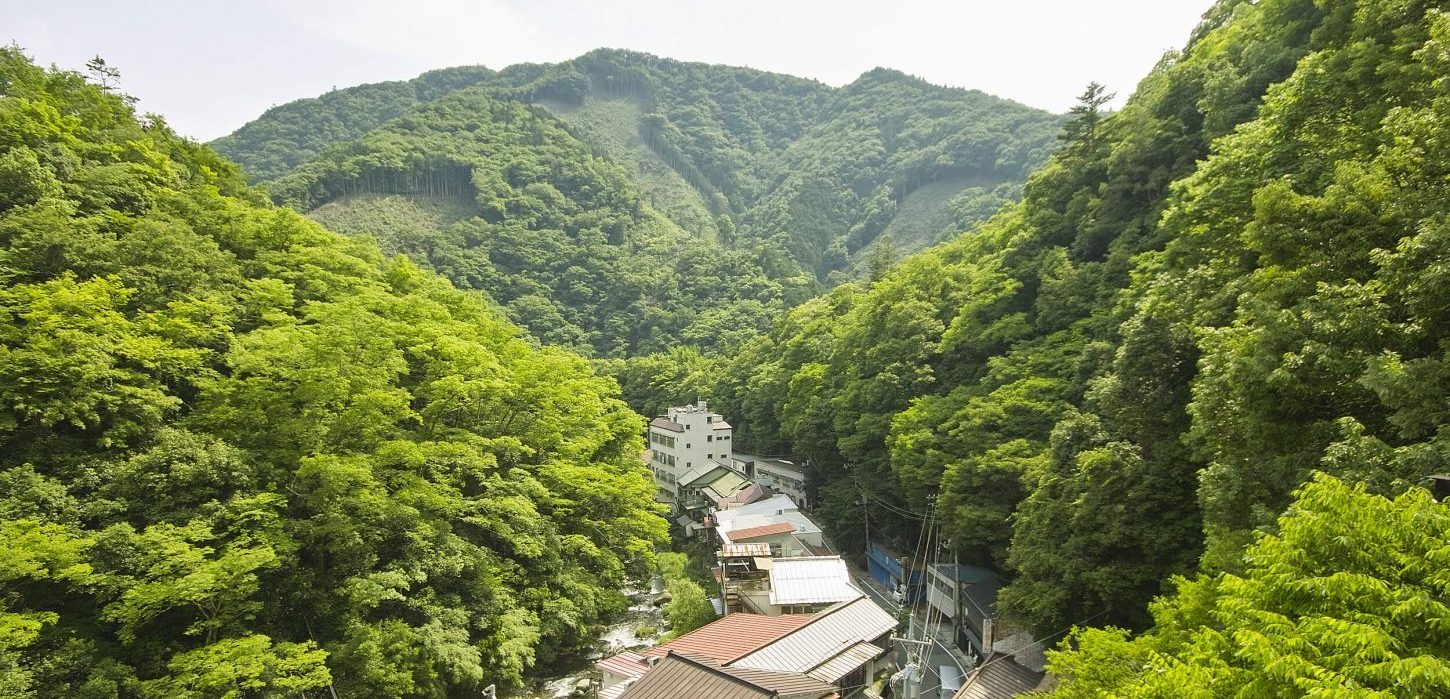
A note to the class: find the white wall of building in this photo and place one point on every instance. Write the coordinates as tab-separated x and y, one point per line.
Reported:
687	437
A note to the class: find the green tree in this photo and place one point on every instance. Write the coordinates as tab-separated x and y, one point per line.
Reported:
688	608
1348	597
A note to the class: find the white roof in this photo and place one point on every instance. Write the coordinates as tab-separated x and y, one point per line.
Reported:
773	505
810	580
826	636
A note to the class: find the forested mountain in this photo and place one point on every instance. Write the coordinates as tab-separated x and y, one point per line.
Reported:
289	135
621	203
1234	282
1185	381
241	455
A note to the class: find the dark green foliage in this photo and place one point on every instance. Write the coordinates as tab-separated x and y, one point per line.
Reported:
621	203
241	455
1201	298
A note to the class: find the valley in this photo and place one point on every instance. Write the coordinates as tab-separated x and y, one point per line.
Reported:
410	389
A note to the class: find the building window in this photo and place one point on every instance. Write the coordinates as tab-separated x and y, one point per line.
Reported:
709	438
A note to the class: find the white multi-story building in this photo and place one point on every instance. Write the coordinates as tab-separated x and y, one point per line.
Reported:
684	439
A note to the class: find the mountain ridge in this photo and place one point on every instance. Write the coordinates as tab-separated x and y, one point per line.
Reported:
790	180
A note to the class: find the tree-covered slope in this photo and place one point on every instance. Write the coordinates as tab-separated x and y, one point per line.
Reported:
1234	281
241	455
1346	597
502	197
288	135
879	141
782	182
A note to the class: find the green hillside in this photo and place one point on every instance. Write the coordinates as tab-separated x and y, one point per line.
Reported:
783	181
288	135
504	198
1232	283
241	455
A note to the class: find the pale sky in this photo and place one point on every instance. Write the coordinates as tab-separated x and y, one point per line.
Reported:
209	66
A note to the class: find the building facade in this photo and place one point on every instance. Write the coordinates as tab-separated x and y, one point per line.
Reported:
684	439
779	475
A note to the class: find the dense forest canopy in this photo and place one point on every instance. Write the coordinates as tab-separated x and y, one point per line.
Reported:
1180	372
241	455
621	204
1233	282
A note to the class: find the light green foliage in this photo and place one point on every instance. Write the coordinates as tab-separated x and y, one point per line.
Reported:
250	666
243	456
688	608
1347	599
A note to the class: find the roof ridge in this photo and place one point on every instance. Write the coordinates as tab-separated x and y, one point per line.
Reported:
702	661
820	615
845	646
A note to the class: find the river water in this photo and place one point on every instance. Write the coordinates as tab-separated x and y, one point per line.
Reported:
618	635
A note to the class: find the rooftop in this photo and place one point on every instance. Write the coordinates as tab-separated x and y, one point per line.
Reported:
776	462
826	636
728	638
728	523
702	474
810	580
616	691
763	530
845	663
770	506
1000	677
624	664
665	423
689	676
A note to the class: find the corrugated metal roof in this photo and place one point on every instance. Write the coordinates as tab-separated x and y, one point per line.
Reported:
725	483
614	692
728	638
689	676
624	664
847	661
765	530
999	677
826	636
810	580
665	423
698	473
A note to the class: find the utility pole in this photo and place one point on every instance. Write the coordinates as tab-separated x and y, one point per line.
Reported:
957	620
866	516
